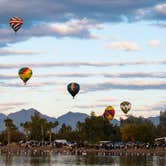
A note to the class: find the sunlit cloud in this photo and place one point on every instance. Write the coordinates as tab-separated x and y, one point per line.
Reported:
160	8
124	45
5	107
154	43
77	28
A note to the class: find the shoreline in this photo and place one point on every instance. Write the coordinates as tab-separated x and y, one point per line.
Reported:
46	150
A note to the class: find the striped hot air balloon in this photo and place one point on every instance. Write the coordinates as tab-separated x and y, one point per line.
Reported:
25	74
73	88
16	23
109	113
125	106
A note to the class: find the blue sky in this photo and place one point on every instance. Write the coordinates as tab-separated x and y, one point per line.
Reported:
115	52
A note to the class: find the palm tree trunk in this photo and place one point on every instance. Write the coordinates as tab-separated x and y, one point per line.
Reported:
50	135
8	136
42	134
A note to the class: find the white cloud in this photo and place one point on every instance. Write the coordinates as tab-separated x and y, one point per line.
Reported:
161	8
124	45
154	43
11	105
78	28
74	27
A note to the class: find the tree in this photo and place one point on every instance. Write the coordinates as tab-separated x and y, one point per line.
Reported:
163	118
137	129
161	128
95	129
27	128
9	128
50	126
64	131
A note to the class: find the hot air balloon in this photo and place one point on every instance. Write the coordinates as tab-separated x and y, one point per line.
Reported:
16	23
25	74
109	113
125	106
73	88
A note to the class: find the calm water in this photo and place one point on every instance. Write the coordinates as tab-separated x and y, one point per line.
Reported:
63	160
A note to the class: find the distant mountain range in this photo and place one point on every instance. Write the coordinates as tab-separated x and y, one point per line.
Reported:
70	118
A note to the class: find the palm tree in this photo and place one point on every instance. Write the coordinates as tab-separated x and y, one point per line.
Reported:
27	128
43	126
50	126
9	127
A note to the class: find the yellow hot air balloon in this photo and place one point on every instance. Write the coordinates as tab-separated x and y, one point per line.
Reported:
25	74
109	113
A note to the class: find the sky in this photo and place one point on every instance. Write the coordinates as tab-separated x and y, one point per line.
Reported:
115	50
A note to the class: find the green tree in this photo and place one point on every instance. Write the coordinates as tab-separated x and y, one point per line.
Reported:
95	129
50	126
161	128
137	129
27	128
9	128
64	131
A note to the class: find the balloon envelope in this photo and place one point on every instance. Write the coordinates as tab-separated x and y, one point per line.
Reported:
125	106
109	113
25	74
73	88
16	23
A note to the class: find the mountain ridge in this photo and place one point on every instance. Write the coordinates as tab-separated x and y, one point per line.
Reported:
70	118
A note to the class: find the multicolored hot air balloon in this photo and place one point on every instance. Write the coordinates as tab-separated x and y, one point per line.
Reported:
109	113
73	88
125	106
25	74
16	23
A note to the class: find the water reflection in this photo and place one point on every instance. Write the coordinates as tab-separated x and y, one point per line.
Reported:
62	160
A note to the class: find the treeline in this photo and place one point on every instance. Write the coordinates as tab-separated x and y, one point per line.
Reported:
92	130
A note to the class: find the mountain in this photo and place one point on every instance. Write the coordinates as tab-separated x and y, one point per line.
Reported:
2	118
22	116
115	122
155	120
71	118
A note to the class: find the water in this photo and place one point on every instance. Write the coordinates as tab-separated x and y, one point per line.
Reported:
72	160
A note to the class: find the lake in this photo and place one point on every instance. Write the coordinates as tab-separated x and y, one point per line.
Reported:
73	160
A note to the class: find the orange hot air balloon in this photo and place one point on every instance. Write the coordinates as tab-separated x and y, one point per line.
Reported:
16	23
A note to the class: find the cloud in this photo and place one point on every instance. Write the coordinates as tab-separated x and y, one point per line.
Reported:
136	85
78	64
10	105
6	52
90	106
160	9
136	74
108	75
105	10
7	77
80	28
160	106
140	84
74	18
72	28
160	75
154	43
124	45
